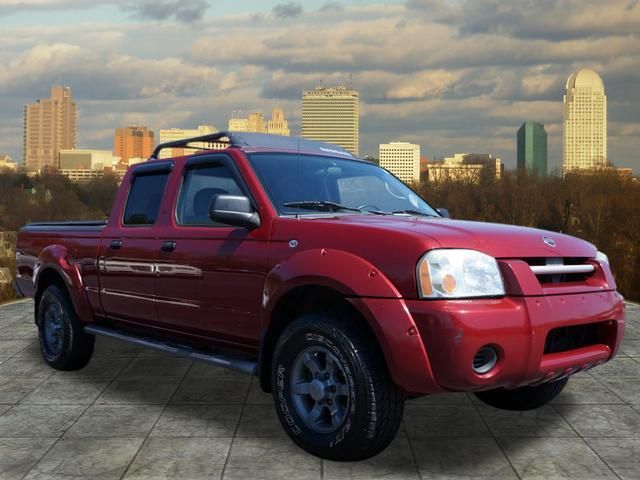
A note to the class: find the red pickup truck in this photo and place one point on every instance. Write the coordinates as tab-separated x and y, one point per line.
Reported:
329	279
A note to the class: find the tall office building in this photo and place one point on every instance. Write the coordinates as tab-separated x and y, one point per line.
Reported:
585	122
134	142
402	159
332	114
50	125
173	134
278	125
532	148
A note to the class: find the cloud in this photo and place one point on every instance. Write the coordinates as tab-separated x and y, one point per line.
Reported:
181	10
287	10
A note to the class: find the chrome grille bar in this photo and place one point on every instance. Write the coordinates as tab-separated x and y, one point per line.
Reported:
561	269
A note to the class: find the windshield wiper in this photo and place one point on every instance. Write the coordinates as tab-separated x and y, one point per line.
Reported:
321	205
413	212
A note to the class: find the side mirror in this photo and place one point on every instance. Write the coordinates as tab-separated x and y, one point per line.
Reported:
444	212
234	210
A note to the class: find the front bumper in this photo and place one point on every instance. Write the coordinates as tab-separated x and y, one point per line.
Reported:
517	327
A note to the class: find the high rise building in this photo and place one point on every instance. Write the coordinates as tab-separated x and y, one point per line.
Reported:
83	165
278	125
585	122
134	142
173	134
532	148
50	125
402	159
332	114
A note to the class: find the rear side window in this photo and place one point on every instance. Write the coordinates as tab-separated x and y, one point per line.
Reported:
200	186
144	199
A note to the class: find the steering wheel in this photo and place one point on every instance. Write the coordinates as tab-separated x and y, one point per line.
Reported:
367	207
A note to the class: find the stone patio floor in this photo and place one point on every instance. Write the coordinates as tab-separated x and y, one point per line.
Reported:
137	414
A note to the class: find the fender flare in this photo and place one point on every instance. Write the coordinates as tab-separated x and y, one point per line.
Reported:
372	294
55	257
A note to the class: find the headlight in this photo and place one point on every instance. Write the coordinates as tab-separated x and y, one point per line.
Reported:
602	257
458	274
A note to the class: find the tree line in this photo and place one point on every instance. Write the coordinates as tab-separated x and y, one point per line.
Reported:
603	209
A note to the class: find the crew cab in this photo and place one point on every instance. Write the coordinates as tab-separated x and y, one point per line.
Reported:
329	279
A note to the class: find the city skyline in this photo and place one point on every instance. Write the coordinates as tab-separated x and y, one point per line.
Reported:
467	85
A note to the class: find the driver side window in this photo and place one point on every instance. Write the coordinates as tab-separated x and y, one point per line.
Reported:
200	186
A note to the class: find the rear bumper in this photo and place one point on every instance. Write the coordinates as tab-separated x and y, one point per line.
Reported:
517	327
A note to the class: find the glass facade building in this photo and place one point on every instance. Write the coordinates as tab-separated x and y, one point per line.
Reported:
532	148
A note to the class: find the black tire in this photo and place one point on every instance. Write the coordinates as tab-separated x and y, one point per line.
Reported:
371	405
523	398
63	343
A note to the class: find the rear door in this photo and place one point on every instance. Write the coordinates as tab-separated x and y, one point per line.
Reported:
211	275
130	247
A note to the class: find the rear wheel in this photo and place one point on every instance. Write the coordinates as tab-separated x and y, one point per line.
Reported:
523	398
332	390
63	343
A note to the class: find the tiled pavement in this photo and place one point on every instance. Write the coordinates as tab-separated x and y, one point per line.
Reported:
140	415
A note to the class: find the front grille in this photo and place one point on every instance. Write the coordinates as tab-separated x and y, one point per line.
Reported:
564	339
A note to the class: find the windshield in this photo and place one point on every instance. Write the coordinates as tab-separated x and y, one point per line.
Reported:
304	184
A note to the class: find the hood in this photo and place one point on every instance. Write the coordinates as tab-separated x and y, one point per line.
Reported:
497	240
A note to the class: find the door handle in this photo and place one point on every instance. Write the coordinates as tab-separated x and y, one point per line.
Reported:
115	244
168	246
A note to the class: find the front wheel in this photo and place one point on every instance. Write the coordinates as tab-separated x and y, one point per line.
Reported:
63	343
523	398
332	390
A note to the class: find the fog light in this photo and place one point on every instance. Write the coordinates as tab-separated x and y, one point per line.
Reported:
485	360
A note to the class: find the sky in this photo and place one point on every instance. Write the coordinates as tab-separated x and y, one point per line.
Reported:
450	75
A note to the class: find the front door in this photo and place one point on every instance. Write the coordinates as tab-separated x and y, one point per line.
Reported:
210	275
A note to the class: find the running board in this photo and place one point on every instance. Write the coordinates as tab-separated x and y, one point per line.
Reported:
219	360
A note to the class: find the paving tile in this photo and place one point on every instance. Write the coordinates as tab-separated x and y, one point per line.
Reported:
601	420
441	399
183	458
257	396
584	389
206	370
8	348
396	462
157	367
146	391
86	458
631	348
37	421
18	455
260	421
26	367
32	350
106	347
628	389
14	389
621	454
461	459
277	458
554	458
116	421
444	421
618	368
65	391
98	367
198	421
542	422
19	331
222	390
